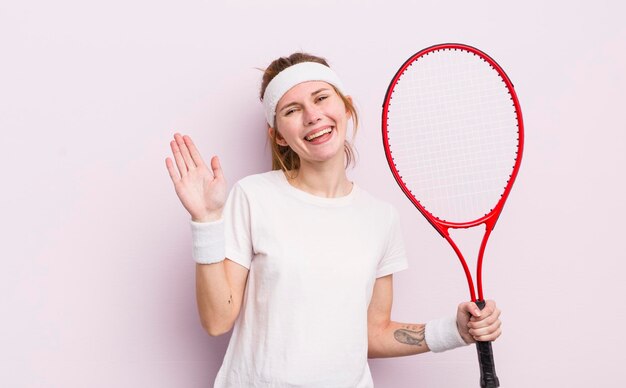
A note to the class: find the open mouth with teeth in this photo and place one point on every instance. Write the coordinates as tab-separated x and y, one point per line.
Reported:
319	134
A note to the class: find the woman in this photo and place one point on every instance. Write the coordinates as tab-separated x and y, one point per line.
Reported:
300	259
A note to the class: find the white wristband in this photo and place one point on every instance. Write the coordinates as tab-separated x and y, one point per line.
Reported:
442	334
208	241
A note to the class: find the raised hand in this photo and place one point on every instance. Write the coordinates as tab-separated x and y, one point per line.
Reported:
201	190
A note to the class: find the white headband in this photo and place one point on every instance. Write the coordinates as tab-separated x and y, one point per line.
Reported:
292	76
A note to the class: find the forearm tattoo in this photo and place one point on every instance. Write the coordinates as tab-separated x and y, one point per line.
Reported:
410	335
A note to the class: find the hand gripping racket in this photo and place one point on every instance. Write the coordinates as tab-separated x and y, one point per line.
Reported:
453	135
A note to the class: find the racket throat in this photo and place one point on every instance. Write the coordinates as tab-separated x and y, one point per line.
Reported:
468	274
479	263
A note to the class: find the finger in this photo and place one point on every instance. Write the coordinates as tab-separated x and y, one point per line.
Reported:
170	168
483	329
471	309
491	335
487	318
216	167
178	157
489	308
193	151
184	151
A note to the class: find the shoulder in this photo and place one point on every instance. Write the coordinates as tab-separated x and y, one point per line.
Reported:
254	191
259	181
262	188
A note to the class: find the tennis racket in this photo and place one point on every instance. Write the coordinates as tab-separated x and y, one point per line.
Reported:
453	135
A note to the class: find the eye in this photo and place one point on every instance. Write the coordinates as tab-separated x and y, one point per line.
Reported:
289	111
321	97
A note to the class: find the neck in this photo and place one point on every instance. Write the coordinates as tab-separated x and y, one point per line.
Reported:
327	180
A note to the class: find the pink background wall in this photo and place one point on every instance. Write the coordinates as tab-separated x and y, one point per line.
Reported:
96	279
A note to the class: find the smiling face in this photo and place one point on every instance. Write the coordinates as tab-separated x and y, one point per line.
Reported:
311	119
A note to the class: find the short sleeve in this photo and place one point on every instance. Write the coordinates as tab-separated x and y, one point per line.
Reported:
237	228
394	258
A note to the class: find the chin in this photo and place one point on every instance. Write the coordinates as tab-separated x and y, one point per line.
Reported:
330	157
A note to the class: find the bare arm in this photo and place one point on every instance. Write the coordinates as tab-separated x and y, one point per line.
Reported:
387	338
202	191
219	293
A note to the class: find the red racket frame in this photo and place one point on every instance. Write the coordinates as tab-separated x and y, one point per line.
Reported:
489	219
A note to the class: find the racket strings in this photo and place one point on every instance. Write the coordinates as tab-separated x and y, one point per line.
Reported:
452	133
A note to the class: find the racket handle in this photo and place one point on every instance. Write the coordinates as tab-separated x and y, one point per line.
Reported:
488	378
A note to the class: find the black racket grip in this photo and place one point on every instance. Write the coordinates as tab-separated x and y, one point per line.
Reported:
488	377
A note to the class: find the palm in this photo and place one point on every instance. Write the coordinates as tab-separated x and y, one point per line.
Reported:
201	190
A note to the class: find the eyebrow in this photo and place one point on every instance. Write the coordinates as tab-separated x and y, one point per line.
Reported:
295	103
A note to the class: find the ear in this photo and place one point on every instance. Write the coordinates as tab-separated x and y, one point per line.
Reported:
279	139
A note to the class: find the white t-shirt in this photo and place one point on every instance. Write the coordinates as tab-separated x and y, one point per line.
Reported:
313	262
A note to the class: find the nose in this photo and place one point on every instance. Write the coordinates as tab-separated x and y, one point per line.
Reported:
311	115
